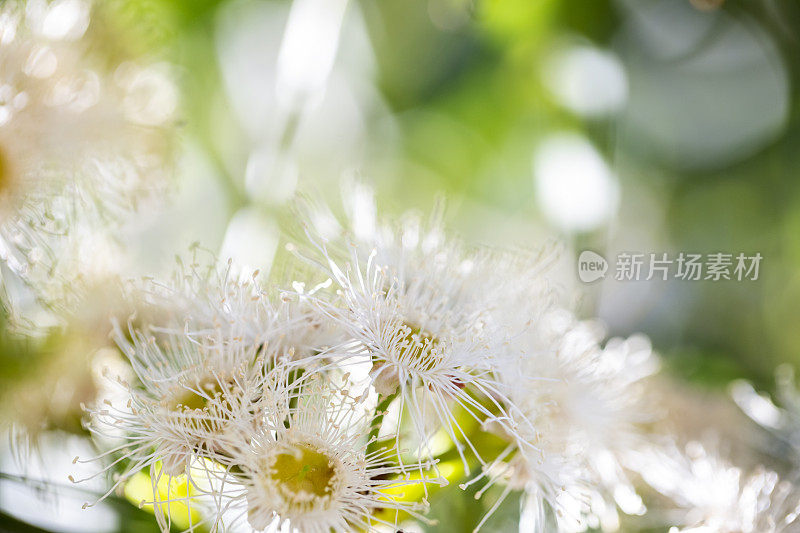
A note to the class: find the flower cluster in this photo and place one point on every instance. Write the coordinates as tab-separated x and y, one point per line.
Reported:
413	362
380	365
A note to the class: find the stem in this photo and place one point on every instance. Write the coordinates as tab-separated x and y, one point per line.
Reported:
237	198
295	377
380	410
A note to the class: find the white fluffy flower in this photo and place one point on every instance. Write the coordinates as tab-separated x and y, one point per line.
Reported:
715	496
201	383
421	309
202	298
584	407
309	467
190	397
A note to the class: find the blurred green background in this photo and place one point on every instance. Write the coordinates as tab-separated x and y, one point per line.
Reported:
674	121
628	125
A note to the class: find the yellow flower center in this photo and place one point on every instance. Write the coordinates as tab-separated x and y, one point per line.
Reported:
188	399
416	351
193	405
302	471
418	348
6	174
